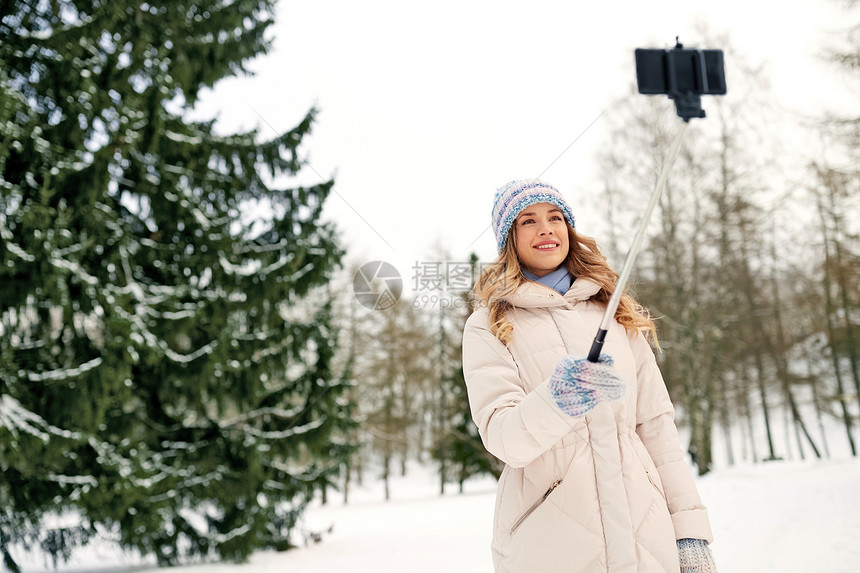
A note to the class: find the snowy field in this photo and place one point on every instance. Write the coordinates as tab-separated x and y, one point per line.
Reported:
785	517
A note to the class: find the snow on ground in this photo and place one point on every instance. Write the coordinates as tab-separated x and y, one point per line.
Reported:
786	517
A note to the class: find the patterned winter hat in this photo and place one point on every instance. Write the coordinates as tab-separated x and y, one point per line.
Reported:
515	196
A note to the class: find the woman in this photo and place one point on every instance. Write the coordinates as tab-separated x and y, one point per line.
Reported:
595	478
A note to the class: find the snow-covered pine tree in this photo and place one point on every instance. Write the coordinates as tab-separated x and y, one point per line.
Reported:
165	379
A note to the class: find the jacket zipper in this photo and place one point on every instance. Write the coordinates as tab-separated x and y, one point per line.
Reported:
647	473
535	505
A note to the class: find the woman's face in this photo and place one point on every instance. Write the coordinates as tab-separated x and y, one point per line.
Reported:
541	237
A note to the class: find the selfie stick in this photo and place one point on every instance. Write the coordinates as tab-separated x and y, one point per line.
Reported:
612	306
684	75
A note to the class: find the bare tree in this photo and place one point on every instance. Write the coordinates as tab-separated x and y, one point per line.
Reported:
830	313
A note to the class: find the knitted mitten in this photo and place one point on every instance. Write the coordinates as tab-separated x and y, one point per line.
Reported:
696	556
578	385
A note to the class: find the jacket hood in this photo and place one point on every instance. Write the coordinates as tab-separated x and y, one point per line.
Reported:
535	295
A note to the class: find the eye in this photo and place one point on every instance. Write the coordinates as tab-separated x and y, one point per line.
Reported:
525	221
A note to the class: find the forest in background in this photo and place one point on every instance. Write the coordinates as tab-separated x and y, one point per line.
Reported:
751	266
184	381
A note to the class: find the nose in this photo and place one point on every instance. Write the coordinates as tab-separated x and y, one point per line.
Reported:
545	229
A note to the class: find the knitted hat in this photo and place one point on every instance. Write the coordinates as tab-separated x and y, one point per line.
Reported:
515	196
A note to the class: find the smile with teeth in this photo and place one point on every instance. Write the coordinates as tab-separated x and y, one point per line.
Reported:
546	246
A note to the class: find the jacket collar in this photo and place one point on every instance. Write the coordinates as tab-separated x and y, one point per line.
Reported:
535	295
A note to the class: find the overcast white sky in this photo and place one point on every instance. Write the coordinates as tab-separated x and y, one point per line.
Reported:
427	107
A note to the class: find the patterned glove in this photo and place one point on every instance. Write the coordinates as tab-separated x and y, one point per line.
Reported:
696	556
578	385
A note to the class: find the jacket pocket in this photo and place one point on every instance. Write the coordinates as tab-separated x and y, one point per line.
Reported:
654	483
647	463
535	505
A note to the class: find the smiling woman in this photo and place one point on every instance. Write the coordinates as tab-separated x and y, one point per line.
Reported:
595	478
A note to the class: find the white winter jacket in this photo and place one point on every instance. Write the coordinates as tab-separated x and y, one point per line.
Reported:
608	491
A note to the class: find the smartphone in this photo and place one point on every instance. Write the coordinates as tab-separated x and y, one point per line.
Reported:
680	71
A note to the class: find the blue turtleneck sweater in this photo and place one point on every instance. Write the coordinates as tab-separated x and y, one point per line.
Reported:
558	280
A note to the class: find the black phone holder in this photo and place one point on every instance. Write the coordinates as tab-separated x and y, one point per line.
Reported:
683	74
